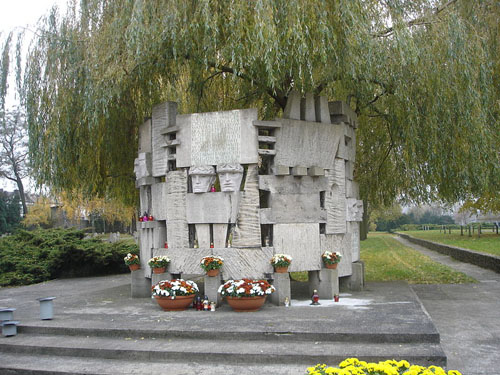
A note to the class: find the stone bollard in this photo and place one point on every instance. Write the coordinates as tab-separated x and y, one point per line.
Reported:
212	284
325	281
9	328
46	308
281	281
7	314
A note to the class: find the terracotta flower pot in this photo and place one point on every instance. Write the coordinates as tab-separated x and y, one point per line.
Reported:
134	267
159	270
246	304
179	303
281	269
213	273
331	266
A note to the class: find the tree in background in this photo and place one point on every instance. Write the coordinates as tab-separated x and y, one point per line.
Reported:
423	77
10	212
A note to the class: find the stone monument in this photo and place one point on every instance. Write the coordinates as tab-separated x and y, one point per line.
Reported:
286	186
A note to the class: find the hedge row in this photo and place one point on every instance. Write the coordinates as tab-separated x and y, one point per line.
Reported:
28	257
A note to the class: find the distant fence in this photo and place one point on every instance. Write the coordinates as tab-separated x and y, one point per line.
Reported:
488	261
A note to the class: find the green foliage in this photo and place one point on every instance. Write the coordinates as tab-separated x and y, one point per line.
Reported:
386	259
425	86
487	242
10	213
28	257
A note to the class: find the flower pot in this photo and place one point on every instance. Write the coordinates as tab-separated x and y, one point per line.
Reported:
213	273
331	266
134	267
246	304
179	303
159	269
281	269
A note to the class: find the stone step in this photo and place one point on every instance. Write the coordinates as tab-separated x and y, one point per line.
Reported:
340	335
219	350
16	364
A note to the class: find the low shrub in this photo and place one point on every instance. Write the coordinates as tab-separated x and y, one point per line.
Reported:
28	257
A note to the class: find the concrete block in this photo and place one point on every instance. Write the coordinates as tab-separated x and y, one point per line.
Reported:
163	116
299	171
212	207
145	199
301	241
212	286
307	144
325	281
281	281
349	170
140	286
356	281
308	110
281	170
335	202
322	110
342	244
178	234
145	137
292	185
220	234
143	165
296	208
203	235
292	108
159	201
351	189
214	138
353	228
247	230
315	171
145	181
270	216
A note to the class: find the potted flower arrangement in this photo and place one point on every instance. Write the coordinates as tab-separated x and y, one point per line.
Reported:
174	295
281	262
132	261
246	294
159	264
331	259
211	265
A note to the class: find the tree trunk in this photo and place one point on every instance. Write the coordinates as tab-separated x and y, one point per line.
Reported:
22	195
364	227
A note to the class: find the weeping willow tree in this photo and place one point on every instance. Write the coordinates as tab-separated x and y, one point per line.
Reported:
423	77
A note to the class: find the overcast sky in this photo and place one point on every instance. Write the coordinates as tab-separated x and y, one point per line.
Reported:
23	13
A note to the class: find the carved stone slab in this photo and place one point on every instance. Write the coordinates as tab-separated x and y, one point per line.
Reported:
216	207
247	229
301	241
296	208
351	189
340	243
220	234
218	138
143	165
354	210
307	144
145	136
145	198
177	226
354	228
203	235
238	263
292	185
163	115
270	216
159	201
335	201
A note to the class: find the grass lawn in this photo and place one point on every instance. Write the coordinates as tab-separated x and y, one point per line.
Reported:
386	260
488	242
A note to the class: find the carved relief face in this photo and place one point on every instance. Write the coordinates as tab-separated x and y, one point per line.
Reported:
202	178
230	176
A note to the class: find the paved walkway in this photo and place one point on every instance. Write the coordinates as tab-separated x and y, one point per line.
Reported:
466	315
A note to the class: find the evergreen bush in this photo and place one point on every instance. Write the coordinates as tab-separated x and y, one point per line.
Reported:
28	257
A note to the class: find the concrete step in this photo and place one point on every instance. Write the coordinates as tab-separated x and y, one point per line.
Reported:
16	364
338	335
236	350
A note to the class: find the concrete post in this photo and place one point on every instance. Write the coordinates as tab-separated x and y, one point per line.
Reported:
212	284
281	281
325	281
140	286
356	281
